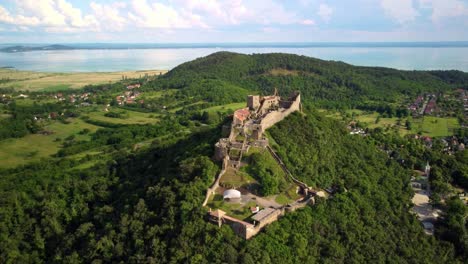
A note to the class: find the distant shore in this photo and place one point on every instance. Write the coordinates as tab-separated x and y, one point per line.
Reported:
50	81
15	48
111	60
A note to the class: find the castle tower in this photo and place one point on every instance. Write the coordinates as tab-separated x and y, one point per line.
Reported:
253	102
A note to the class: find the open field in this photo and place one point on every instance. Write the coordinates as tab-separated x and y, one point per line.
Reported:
30	102
173	110
42	81
436	126
427	125
158	94
33	147
134	117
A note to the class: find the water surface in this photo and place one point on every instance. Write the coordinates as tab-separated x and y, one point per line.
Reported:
105	60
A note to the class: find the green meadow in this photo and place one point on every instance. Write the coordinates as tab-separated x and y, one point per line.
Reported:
130	117
33	147
436	126
427	125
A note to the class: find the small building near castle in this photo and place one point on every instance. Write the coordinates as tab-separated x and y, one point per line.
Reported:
232	195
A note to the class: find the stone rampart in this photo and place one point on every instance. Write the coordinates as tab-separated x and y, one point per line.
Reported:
274	117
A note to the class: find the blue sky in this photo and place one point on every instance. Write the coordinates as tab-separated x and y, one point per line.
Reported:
154	21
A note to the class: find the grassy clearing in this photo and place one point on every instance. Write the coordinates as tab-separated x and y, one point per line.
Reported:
18	151
134	117
428	125
226	107
158	94
282	199
29	102
173	110
36	81
436	126
283	72
236	179
4	116
288	196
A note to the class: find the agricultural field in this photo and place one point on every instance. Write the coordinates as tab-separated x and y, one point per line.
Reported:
45	81
33	147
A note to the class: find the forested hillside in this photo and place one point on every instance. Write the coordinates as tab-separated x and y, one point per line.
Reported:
326	82
138	198
145	207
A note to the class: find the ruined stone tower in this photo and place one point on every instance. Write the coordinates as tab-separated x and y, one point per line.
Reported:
253	101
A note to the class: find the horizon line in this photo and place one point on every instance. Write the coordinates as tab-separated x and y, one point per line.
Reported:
241	42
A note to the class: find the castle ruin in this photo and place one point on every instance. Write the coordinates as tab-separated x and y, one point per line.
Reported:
247	130
249	124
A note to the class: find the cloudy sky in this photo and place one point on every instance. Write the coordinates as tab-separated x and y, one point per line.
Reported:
62	21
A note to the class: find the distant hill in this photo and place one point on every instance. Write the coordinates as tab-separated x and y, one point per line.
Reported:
14	49
318	80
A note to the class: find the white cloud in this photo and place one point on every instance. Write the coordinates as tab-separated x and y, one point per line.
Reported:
47	13
158	15
109	16
236	12
401	11
44	10
308	22
19	20
73	15
325	12
54	15
444	8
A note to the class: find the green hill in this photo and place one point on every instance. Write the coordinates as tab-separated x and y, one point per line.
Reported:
318	80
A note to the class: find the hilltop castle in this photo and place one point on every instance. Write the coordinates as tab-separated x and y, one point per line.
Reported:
261	113
247	130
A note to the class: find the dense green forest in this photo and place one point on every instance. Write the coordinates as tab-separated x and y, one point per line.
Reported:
144	205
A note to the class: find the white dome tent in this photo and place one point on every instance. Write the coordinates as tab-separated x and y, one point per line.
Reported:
232	195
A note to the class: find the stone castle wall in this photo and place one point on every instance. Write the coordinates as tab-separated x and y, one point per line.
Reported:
276	116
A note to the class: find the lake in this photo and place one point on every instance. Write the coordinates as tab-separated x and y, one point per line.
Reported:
105	60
